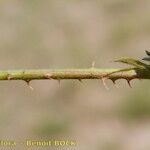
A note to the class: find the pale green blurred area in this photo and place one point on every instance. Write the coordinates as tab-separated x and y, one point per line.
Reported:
71	34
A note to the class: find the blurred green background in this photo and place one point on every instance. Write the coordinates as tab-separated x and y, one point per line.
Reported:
71	34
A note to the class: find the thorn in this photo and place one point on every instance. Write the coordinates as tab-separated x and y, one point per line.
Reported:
104	83
147	52
128	81
29	85
93	64
114	82
58	81
80	80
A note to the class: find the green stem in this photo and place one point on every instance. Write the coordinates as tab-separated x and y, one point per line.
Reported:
59	74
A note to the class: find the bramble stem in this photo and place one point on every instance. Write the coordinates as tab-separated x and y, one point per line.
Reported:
139	70
59	74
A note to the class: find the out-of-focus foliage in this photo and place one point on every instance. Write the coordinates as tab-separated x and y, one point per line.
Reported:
51	127
137	105
73	34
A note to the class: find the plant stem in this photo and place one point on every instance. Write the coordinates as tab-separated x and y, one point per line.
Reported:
59	74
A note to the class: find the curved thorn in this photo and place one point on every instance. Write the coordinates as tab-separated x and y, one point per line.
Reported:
128	81
147	52
80	80
58	81
29	85
113	80
104	83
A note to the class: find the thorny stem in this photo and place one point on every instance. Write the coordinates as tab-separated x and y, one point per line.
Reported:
139	70
60	74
